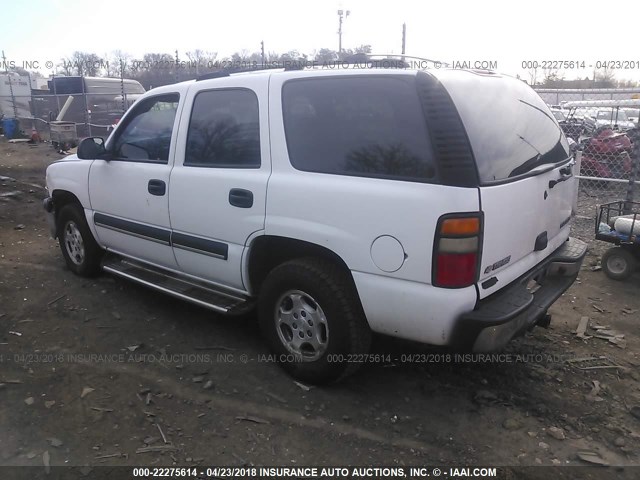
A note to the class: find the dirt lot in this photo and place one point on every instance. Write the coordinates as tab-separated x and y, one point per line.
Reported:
103	372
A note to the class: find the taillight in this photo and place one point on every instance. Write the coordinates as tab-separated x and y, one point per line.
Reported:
456	252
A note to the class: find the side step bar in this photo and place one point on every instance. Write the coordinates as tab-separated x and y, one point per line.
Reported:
200	293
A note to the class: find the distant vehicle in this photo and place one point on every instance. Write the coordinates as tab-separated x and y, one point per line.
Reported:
633	114
560	115
601	113
614	118
606	155
104	102
18	87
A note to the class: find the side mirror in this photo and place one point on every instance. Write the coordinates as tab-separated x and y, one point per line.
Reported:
91	148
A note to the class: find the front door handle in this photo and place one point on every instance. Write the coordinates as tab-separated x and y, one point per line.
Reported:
241	198
157	187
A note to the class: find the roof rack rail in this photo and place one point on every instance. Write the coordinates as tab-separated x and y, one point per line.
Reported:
386	59
225	72
217	74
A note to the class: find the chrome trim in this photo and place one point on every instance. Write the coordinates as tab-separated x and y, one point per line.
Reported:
178	272
170	277
165	290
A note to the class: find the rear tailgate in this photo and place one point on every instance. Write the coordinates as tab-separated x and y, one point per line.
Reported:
521	154
524	221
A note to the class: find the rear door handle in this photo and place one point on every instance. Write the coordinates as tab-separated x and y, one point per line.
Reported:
241	198
157	187
564	178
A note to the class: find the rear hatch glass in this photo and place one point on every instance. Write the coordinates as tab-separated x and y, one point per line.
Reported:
510	128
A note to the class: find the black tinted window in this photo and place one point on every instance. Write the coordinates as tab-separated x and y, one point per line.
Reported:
366	125
511	129
224	130
146	135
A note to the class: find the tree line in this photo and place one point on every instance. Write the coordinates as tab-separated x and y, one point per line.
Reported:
156	69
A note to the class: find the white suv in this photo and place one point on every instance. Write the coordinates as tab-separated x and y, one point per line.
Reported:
429	206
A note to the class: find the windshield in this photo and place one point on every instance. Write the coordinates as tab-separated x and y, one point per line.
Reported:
604	115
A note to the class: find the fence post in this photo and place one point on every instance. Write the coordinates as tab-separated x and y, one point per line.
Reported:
87	119
122	85
634	135
576	169
55	94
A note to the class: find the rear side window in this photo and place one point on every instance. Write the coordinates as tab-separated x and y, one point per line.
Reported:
370	126
224	130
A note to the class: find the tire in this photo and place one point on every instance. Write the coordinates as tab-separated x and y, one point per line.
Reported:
618	263
321	295
79	249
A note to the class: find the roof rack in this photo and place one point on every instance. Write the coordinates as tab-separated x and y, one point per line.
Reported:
391	60
387	60
226	71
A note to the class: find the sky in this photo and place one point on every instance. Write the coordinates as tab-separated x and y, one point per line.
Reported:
505	32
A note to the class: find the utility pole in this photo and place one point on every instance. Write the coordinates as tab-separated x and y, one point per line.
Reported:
404	38
177	67
262	51
341	15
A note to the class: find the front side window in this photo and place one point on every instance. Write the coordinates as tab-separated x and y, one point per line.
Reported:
369	126
146	135
224	130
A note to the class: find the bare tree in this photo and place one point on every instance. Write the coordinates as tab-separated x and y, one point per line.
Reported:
120	63
552	76
605	77
325	55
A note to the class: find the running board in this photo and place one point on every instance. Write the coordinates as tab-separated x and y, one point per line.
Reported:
194	291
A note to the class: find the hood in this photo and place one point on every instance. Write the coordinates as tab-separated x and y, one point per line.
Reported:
69	158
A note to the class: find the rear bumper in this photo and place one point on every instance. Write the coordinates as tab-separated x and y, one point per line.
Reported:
514	309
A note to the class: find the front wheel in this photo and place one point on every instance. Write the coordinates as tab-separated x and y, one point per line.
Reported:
311	317
618	263
79	249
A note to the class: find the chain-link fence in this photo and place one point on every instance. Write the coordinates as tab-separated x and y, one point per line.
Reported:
89	114
81	107
602	125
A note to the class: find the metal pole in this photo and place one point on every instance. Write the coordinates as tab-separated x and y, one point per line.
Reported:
262	51
122	85
404	39
177	67
339	31
13	98
87	120
634	134
341	13
55	93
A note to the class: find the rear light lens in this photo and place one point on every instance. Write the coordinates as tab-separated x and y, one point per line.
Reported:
457	250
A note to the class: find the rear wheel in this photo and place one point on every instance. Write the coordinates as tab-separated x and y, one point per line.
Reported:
79	249
618	263
311	316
